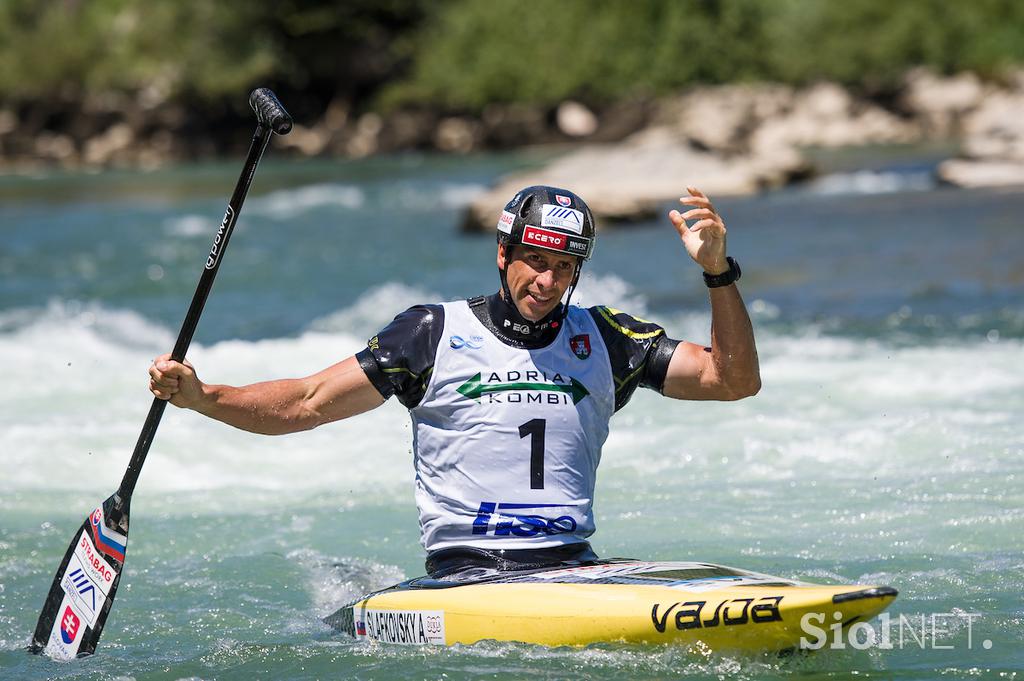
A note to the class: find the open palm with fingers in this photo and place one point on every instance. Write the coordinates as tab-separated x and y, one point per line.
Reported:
705	239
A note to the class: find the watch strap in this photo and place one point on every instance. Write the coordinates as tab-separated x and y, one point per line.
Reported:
725	278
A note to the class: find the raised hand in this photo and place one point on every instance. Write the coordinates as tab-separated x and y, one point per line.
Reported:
705	239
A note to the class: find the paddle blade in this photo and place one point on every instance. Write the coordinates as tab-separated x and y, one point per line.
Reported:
83	589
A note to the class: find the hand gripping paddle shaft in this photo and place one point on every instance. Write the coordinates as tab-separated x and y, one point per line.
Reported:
83	589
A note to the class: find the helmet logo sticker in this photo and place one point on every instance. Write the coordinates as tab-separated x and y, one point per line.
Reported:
535	236
579	246
563	200
562	218
505	222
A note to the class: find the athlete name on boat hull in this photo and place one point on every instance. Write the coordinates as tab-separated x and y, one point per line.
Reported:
728	613
405	627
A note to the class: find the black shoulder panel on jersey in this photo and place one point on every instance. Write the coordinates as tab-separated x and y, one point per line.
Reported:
638	350
657	363
378	378
403	354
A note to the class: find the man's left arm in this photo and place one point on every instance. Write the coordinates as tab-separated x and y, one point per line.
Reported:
728	370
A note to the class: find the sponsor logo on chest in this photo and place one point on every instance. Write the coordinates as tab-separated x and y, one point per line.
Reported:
523	387
505	519
472	342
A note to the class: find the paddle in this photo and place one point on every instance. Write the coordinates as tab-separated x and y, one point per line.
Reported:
83	590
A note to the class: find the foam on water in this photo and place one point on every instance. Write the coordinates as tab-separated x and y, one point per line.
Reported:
190	225
334	582
373	310
446	196
77	398
287	204
832	409
608	290
872	182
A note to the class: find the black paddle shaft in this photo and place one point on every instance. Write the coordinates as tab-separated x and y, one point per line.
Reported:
272	119
87	579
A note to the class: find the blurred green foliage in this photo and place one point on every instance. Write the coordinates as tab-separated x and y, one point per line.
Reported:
473	52
464	54
64	48
201	50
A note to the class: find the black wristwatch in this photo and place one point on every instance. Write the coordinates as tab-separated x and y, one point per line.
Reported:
725	278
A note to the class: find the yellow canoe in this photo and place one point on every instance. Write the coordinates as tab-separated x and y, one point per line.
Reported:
711	607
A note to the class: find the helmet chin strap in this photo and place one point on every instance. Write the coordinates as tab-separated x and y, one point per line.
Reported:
554	320
572	288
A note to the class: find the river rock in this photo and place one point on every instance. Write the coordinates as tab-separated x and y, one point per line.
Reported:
54	146
734	139
993	146
982	173
457	135
508	126
114	141
996	128
365	138
940	102
826	115
411	129
640	177
8	121
575	120
722	118
308	140
323	135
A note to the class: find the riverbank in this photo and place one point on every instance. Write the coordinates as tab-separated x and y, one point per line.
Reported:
738	139
741	139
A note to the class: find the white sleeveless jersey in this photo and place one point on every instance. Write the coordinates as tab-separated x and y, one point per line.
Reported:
507	440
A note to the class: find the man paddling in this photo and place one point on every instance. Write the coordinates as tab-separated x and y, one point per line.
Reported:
510	394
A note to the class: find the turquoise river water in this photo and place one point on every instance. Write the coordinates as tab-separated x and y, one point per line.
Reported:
885	447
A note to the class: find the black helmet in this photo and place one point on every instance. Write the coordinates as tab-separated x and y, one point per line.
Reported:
550	218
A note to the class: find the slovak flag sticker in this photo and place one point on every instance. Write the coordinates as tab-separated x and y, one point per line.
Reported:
563	200
107	540
69	624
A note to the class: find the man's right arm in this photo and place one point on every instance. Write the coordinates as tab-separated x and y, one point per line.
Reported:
271	407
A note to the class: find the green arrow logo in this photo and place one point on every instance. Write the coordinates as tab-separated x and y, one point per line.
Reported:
473	388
